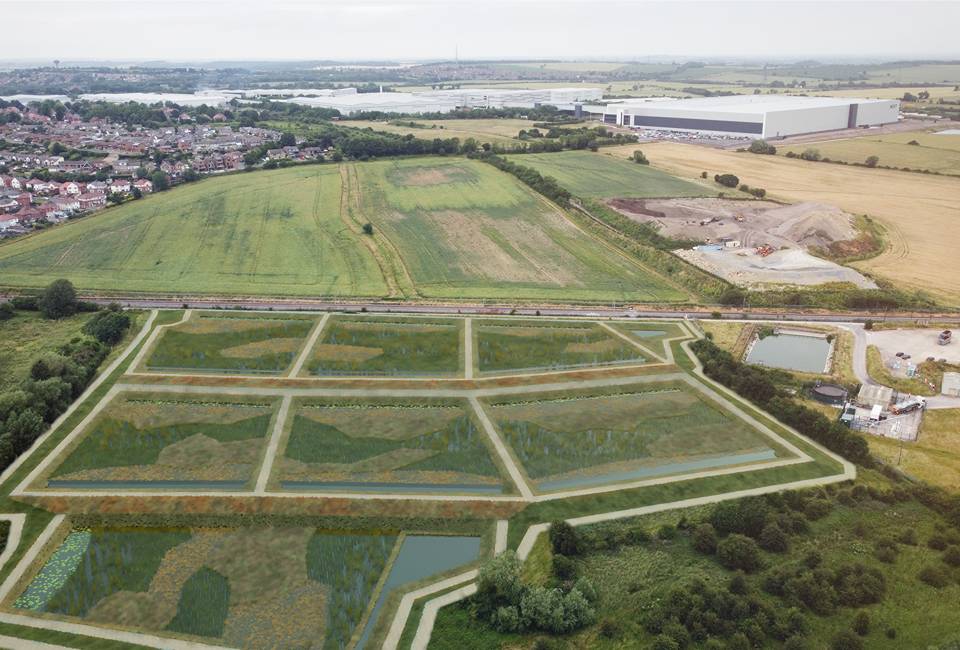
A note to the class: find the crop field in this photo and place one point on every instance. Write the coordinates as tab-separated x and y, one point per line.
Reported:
217	343
593	175
915	209
236	586
625	433
157	439
516	345
939	153
273	232
388	347
466	230
494	131
388	445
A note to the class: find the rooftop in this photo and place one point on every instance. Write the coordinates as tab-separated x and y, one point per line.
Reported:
758	104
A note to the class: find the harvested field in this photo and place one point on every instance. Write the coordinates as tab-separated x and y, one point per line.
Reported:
752	223
918	211
388	347
934	152
507	346
604	437
499	131
491	236
592	175
386	444
207	342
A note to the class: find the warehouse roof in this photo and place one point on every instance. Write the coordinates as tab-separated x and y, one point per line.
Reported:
759	104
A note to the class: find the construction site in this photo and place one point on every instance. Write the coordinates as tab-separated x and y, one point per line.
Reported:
753	243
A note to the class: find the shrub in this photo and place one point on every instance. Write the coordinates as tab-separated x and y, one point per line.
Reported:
563	567
952	555
762	147
908	537
108	326
811	154
664	642
872	161
773	539
58	300
817	509
7	311
703	174
846	640
937	542
891	633
861	624
887	554
609	628
368	228
667	532
704	539
738	584
564	538
639	158
934	576
727	180
795	642
739	552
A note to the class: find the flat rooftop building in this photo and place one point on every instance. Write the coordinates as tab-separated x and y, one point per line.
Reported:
754	116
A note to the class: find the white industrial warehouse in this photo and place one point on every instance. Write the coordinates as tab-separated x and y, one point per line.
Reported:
757	116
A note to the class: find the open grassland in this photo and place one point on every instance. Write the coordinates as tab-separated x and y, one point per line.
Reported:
236	586
939	153
388	347
157	440
26	336
919	211
593	175
466	230
516	345
494	131
275	233
218	343
619	434
387	444
934	457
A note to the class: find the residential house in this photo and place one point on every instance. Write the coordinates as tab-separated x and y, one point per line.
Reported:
144	185
120	187
8	221
71	188
92	200
97	186
66	203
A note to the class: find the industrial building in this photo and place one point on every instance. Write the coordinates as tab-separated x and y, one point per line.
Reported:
753	116
444	101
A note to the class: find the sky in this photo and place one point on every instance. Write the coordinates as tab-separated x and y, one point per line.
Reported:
407	30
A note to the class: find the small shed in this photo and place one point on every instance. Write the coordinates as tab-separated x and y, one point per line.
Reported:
951	384
875	395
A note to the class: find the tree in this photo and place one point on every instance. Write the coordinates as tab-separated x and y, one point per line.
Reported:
639	158
773	539
7	311
287	139
846	640
705	539
23	428
872	161
368	228
141	172
160	181
108	326
58	300
762	147
564	538
727	180
739	552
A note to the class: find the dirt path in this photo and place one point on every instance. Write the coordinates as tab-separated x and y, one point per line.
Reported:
308	346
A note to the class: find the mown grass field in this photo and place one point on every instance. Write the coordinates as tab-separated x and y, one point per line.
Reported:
273	233
918	211
515	345
388	347
939	153
212	343
494	131
593	175
463	229
26	336
158	440
608	431
386	442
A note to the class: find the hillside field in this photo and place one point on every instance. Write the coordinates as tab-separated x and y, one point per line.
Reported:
919	211
938	153
276	232
593	175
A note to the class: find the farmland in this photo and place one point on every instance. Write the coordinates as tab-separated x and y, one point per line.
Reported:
916	209
441	228
494	131
277	233
465	230
593	175
933	152
204	507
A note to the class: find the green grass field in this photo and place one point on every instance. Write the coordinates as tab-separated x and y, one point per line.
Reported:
517	345
274	233
387	444
213	343
26	336
939	153
624	433
494	131
157	439
595	175
388	347
466	230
